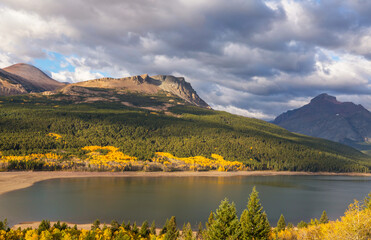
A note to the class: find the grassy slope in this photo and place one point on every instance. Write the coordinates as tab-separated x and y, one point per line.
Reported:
25	121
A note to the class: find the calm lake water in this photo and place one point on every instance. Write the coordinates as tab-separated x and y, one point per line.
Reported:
82	200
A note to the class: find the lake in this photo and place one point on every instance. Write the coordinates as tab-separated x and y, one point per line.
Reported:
82	200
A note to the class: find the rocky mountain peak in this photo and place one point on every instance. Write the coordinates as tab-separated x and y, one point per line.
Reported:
326	117
324	98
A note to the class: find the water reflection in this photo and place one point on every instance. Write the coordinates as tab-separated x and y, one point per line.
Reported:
190	199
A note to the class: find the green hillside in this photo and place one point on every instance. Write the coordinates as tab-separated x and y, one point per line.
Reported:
183	131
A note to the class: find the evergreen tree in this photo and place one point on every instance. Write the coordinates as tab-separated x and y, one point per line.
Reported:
128	226
254	222
199	231
135	228
290	226
324	218
153	228
281	224
164	228
302	224
172	233
44	225
4	225
187	233
114	225
225	225
210	220
95	225
144	230
367	201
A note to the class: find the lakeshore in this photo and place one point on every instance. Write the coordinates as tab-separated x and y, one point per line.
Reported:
10	181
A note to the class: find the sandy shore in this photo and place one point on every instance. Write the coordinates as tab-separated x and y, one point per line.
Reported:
10	181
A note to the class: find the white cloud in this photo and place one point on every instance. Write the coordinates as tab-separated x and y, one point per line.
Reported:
253	113
255	58
82	73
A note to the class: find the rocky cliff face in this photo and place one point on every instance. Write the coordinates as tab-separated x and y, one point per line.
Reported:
149	85
326	117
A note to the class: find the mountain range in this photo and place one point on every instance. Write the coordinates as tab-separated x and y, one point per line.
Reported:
328	118
143	115
24	78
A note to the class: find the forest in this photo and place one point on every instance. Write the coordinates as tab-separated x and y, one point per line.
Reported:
222	224
42	133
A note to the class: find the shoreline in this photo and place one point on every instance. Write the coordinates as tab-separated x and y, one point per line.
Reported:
10	181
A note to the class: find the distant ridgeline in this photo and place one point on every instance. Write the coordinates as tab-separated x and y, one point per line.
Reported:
156	123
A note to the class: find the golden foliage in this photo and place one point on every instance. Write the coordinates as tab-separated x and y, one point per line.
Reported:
55	136
355	224
200	163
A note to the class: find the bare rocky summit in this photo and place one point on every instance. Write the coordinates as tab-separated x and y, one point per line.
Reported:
23	78
145	84
326	117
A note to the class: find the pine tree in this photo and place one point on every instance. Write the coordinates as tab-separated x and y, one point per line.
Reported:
4	224
144	230
324	218
254	222
367	201
290	226
225	224
210	220
164	228
128	226
153	228
135	228
281	224
187	233
172	233
95	225
114	225
302	224
199	231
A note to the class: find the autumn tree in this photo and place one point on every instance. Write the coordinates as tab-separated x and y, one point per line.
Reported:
225	224
254	222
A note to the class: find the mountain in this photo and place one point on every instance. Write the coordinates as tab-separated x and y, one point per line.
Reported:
11	84
23	78
143	84
326	117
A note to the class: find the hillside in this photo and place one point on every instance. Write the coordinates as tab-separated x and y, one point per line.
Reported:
326	117
64	124
24	78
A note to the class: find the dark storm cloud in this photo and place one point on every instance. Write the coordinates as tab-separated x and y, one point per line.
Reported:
254	57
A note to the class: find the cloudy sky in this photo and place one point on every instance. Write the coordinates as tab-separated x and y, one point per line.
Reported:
250	57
